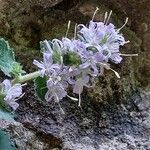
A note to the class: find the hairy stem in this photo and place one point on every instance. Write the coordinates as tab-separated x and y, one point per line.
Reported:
27	77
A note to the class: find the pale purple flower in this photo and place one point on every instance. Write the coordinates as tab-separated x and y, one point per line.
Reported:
58	46
105	38
115	57
95	44
117	38
78	87
76	46
90	34
79	47
111	52
90	60
66	75
55	91
12	93
113	47
46	46
47	67
96	33
67	45
80	83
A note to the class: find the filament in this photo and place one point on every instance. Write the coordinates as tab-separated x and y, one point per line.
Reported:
108	17
105	17
69	22
95	13
124	24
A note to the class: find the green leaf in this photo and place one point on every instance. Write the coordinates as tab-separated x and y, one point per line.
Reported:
5	115
5	142
40	87
7	58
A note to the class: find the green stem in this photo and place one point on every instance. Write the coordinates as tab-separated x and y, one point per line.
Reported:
27	77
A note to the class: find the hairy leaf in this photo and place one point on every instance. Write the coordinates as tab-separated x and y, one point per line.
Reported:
5	115
7	58
17	69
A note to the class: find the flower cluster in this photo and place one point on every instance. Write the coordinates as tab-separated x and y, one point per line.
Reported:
69	62
11	93
75	62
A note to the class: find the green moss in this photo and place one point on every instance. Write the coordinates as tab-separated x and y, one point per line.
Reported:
58	31
20	39
129	34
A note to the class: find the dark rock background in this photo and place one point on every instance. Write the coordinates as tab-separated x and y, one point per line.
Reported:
115	114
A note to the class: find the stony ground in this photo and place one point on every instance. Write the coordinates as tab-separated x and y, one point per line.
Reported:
99	127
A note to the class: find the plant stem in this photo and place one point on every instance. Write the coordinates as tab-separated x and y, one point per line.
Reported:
27	77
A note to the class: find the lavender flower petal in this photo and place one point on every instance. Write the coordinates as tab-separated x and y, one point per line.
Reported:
12	93
78	87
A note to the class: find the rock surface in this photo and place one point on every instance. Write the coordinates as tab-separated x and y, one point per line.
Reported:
115	114
94	127
138	13
22	137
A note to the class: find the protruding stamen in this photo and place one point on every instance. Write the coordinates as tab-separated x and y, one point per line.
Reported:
61	108
128	55
57	100
116	73
79	100
106	66
20	96
24	84
72	98
69	22
95	13
105	17
126	42
108	17
124	24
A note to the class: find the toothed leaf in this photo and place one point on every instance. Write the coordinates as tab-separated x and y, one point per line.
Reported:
5	115
7	58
